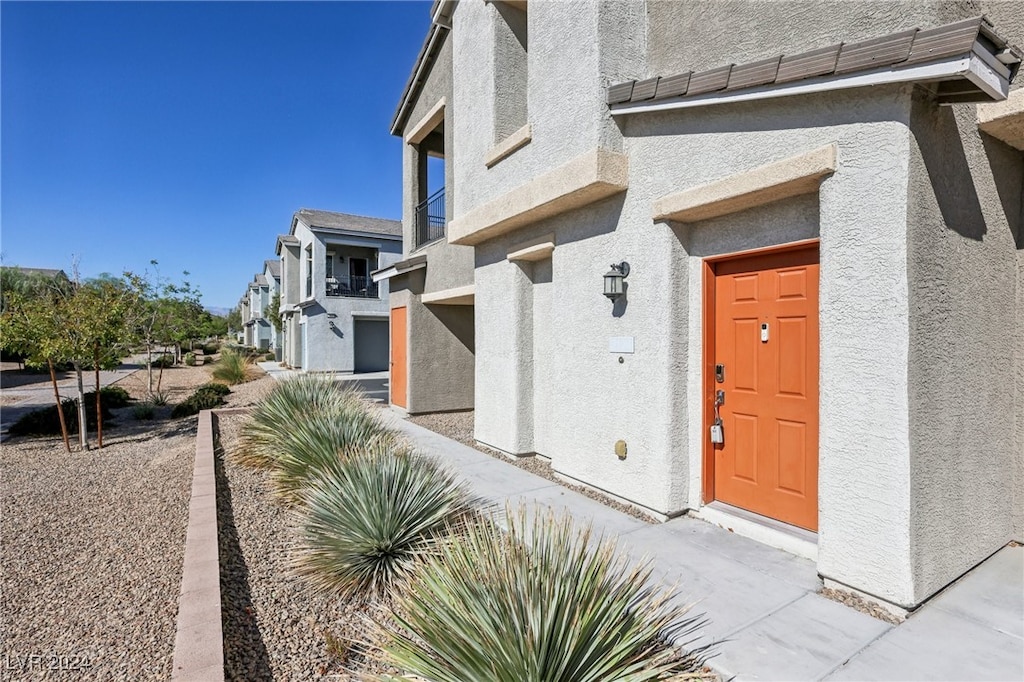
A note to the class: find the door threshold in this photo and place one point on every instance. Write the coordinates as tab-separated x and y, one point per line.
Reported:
768	531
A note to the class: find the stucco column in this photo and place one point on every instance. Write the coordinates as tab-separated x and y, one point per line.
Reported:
864	455
504	360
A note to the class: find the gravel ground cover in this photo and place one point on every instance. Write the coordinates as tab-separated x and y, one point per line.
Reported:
91	547
275	628
459	427
91	542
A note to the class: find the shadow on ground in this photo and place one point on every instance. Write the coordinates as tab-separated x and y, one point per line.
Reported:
245	654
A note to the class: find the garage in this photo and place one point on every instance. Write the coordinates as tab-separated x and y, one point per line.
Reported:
371	345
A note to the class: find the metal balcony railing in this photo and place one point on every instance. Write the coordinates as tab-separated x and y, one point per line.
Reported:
430	218
357	287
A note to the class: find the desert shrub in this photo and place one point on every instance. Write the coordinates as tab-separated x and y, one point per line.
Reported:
579	612
159	398
372	517
46	422
211	348
214	387
144	411
233	368
203	399
190	359
286	404
270	357
114	397
165	360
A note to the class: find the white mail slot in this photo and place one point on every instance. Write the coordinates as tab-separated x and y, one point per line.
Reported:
620	344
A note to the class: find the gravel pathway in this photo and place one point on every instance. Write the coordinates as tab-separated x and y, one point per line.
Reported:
274	627
91	547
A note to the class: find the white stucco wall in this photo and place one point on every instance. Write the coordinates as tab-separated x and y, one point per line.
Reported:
545	381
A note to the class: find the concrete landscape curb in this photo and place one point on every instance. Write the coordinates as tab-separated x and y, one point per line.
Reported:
199	640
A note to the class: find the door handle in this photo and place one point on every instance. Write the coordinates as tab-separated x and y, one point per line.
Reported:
719	398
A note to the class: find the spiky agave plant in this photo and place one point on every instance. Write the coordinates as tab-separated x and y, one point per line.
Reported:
320	439
370	519
287	404
538	603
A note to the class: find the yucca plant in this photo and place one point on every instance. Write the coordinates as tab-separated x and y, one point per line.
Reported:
233	368
320	438
372	517
273	417
539	603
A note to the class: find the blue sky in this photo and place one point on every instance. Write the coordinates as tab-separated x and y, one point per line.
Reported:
190	132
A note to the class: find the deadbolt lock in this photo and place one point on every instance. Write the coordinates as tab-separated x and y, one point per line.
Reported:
720	374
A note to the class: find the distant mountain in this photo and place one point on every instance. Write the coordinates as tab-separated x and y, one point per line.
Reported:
221	312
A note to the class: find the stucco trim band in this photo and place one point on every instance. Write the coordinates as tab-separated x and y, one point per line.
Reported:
780	180
589	177
426	124
513	142
534	250
454	296
1004	120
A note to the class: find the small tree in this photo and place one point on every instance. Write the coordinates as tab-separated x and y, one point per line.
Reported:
166	315
31	323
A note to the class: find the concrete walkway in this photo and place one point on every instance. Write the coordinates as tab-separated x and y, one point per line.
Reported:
762	604
373	384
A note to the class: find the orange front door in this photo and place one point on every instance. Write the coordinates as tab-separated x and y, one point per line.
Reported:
766	342
399	357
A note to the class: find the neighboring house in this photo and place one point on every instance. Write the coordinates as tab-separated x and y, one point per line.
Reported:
826	243
432	350
259	330
272	276
335	315
243	309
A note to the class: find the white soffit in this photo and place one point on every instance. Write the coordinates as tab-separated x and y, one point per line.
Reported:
398	269
1004	120
590	177
455	296
534	250
426	124
780	180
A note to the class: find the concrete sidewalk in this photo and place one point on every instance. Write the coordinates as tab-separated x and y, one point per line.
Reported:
373	384
762	603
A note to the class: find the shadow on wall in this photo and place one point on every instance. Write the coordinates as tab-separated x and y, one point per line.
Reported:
938	139
458	319
1007	166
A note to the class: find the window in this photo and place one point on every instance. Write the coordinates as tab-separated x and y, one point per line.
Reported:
309	271
510	68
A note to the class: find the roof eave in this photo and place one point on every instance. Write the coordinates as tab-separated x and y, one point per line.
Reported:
424	62
968	66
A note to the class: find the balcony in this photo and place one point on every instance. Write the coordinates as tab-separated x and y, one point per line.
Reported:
354	287
430	218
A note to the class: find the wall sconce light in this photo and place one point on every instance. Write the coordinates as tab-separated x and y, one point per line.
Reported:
614	280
